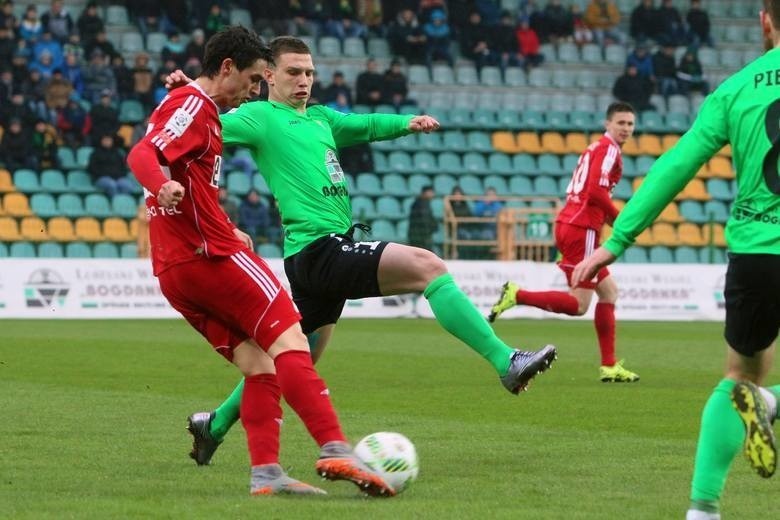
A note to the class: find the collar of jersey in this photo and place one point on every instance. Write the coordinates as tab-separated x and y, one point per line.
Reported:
277	104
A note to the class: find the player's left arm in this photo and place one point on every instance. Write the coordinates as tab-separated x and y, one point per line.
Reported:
352	129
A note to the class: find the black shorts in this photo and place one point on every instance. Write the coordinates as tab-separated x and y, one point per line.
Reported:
752	296
330	271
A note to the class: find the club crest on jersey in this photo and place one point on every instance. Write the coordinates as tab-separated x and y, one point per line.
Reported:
333	167
179	122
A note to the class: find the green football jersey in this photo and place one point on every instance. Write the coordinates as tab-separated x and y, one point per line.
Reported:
297	154
745	112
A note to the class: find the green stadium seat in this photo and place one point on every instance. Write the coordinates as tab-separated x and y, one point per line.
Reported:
53	181
533	120
623	190
407	143
475	163
471	185
491	77
362	109
442	75
155	41
676	122
419	75
385	145
354	47
329	47
395	185
643	164
383	229
3	250
563	184
380	161
454	140
521	186
105	250
389	207
125	206
525	164
97	205
615	55
515	77
26	180
591	54
557	120
686	255
131	112
546	186
417	181
238	183
651	121
569	163
714	255
79	181
82	156
479	141
540	78
466	75
437	206
443	184
67	158
363	208
485	119
131	42
550	164
269	251
508	120
424	162
450	162
716	211
498	183
368	184
379	48
22	249
693	211
410	110
461	118
50	250
636	255
500	164
629	167
402	230
128	250
720	189
581	120
43	205
399	161
431	142
258	183
661	255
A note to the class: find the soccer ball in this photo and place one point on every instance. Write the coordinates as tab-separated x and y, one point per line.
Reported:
392	456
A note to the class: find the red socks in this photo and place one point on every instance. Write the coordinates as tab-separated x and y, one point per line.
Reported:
552	301
604	320
261	416
307	394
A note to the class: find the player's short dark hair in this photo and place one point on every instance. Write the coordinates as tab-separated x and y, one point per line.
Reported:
772	7
238	43
287	44
619	106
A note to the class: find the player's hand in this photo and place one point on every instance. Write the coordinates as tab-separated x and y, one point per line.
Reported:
176	79
425	124
170	194
244	238
588	267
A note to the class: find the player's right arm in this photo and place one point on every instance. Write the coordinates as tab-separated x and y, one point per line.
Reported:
671	172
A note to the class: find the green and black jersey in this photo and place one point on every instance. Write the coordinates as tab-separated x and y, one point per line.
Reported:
297	154
745	112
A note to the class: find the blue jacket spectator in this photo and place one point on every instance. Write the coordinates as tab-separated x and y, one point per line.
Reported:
30	28
71	70
253	217
437	34
47	44
642	60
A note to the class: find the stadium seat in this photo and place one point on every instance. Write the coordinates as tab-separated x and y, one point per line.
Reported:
719	189
16	205
393	184
490	76
115	229
389	207
380	161
97	205
557	120
354	47
33	229
525	164
126	206
4	253
131	42
363	208
529	142
384	229
676	122
622	190
128	250
645	238
423	162
521	186
615	55
6	181
22	249
269	251
568	52
79	181
721	167
379	48
155	41
564	78
714	233
240	16
131	111
78	250
61	229
508	119
553	143
540	77
671	214
450	162
105	250
43	205
636	255
515	77
116	15
497	183
368	184
690	234
591	54
651	121
665	234
661	255
329	47
50	250
471	185
419	75
83	154
416	183
644	163
66	158
431	142
712	255
238	183
505	142
461	118
88	229
716	211
442	75
53	181
575	143
400	162
686	255
485	119
550	164
479	141
465	75
500	163
475	163
546	186
9	229
443	184
581	120
26	180
693	211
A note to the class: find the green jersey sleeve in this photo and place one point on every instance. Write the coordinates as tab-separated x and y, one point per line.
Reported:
352	129
241	128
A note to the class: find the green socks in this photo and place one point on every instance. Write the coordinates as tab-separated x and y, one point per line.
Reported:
455	312
227	413
720	440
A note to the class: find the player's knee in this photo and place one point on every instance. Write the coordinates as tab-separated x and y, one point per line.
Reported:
582	308
429	265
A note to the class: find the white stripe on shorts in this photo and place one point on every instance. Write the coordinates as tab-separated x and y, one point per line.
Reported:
590	242
262	280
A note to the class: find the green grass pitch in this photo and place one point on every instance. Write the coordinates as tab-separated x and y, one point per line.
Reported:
93	416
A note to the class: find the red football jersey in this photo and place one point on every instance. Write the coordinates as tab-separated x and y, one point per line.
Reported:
186	133
588	195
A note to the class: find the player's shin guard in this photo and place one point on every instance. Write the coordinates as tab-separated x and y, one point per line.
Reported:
604	321
261	415
306	393
720	440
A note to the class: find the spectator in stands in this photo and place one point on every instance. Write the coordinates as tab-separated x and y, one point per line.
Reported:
73	46
58	91
603	17
30	28
306	18
462	209
176	14
437	39
107	168
422	223
104	117
665	70
672	30
44	65
6	86
124	78
229	206
143	81
98	76
356	159
253	217
698	25
634	89
645	22
395	86
642	60
90	23
57	21
369	84
7	17
425	8
19	63
18	109
560	25
73	124
528	44
505	42
46	44
102	44
489	206
44	145
369	14
317	96
344	23
337	86
270	16
475	42
690	75
72	71
34	91
148	16
216	20
196	46
406	37
340	104
15	147
7	45
174	49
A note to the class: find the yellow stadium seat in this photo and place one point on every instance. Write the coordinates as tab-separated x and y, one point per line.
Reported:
631	147
17	205
33	229
669	140
88	229
690	235
6	181
704	172
9	229
718	234
552	142
115	229
721	167
671	214
665	234
529	142
134	228
505	142
61	229
645	238
576	142
126	133
649	144
695	190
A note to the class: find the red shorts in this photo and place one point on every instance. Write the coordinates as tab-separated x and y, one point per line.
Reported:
230	299
576	243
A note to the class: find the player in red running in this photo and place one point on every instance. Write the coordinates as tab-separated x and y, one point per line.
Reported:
209	273
577	227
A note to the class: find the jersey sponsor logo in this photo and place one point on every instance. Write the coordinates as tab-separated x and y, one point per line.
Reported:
294	122
333	167
335	191
756	216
